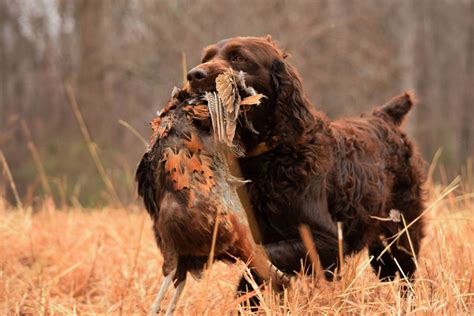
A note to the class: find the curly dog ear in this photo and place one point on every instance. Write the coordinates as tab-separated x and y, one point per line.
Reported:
293	111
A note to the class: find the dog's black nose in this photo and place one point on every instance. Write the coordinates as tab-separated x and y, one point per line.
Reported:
196	74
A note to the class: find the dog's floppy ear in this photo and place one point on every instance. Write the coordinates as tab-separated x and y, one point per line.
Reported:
292	113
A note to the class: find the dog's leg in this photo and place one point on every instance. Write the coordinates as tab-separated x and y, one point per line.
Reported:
400	256
287	255
383	265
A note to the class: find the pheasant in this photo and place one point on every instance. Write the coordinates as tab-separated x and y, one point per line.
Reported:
189	191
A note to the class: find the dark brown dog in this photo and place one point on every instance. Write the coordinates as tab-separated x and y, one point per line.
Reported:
306	169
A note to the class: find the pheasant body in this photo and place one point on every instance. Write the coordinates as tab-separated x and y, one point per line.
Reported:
188	189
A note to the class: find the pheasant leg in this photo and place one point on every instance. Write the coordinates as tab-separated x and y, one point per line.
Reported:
161	294
174	300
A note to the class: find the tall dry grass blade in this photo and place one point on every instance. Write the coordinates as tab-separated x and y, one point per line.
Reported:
210	260
134	132
214	239
61	189
469	178
249	277
56	278
443	174
340	245
433	164
19	305
91	145
37	159
308	242
404	275
415	257
465	197
9	176
184	65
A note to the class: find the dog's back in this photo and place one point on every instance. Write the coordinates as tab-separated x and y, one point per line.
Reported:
376	169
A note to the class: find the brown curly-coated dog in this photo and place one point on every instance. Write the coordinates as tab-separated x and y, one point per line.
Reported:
307	169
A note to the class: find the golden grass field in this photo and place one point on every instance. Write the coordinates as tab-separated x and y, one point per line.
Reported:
78	261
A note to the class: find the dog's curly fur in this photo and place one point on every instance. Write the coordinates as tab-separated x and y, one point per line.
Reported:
317	171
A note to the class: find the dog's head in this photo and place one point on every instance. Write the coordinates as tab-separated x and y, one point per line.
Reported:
285	111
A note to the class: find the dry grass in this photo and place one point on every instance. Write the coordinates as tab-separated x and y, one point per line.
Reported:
105	261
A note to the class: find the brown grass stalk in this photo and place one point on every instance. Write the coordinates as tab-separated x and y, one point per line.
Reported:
9	176
340	246
134	132
184	67
432	168
91	145
308	242
210	260
37	159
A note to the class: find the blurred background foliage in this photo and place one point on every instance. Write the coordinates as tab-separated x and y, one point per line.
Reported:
123	57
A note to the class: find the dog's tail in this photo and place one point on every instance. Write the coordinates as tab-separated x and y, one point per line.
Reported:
396	109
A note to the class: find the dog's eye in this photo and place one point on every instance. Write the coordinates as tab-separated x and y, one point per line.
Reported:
237	58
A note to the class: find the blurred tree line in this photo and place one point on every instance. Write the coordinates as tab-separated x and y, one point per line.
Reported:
123	57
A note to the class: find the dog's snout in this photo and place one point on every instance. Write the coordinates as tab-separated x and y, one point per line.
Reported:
203	77
196	74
